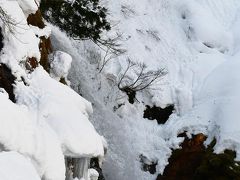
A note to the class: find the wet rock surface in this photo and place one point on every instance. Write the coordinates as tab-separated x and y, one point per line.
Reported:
7	81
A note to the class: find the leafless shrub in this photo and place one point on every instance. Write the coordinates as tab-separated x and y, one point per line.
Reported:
112	49
127	11
154	34
11	24
144	79
8	21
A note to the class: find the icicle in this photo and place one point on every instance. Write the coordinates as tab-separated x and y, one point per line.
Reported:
81	168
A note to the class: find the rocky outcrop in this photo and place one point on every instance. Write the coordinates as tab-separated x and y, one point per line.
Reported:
158	113
45	45
36	20
7	81
195	161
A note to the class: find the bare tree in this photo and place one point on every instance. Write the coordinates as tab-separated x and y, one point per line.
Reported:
8	21
144	79
112	49
11	24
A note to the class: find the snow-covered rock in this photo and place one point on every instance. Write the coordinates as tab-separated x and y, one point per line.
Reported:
64	110
60	65
49	120
22	132
14	166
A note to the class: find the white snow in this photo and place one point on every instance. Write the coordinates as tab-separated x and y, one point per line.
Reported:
49	120
14	166
64	110
197	41
28	6
60	65
20	41
45	32
93	174
21	132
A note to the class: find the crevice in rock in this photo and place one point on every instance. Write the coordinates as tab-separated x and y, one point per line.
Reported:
157	113
195	161
45	47
1	39
94	163
7	81
31	63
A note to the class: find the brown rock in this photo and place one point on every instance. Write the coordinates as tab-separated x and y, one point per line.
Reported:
36	20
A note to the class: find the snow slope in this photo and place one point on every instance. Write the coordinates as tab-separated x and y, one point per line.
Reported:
22	167
198	43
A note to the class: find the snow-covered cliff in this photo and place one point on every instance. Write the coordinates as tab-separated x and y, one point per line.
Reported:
47	129
45	120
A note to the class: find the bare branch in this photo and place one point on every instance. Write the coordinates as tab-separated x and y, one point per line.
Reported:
144	79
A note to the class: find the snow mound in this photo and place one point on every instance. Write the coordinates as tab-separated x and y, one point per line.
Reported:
22	167
60	65
65	111
20	41
220	94
19	132
201	26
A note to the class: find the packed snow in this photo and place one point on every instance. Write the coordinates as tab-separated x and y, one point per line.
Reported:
14	166
60	65
64	110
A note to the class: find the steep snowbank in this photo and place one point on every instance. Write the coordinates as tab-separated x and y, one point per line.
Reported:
21	133
49	120
64	110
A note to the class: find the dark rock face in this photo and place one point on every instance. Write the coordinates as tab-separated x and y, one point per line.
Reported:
7	81
95	165
45	47
161	115
1	39
195	161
